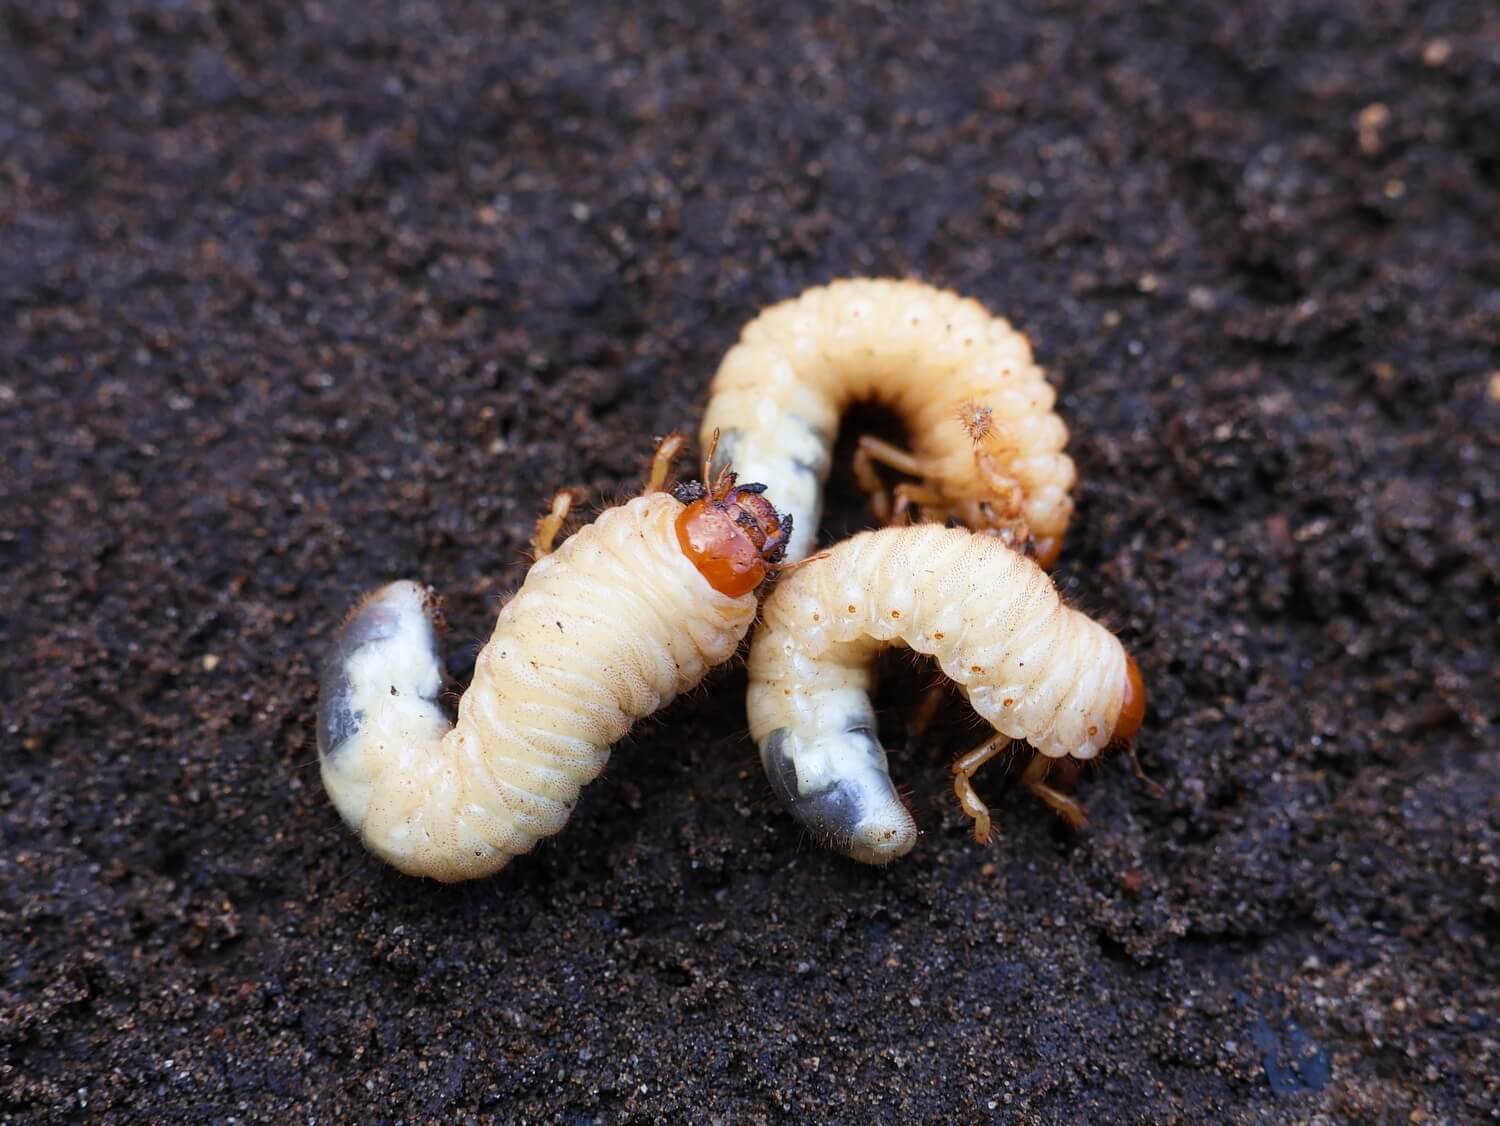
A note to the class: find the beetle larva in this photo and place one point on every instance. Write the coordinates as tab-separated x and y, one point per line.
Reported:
1034	669
986	444
628	613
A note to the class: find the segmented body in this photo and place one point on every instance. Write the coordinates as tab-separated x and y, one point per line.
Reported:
1033	668
606	630
978	408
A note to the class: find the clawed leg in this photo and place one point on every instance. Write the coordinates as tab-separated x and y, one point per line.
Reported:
872	451
909	494
873	486
1006	492
548	526
1034	779
971	513
667	451
1003	502
927	709
1156	789
963	771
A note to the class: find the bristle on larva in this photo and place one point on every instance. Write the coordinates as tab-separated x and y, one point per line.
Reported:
987	447
1032	668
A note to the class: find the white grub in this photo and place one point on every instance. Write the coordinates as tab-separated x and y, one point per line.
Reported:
608	629
1034	669
986	443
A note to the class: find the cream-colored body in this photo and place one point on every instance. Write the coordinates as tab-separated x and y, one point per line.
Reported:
606	630
1034	669
930	355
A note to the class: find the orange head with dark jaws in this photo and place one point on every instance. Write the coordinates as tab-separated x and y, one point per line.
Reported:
732	534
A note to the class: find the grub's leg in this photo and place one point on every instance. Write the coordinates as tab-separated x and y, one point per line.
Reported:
1006	498
1156	789
667	452
1006	490
926	710
872	451
549	525
971	513
963	770
908	494
1034	779
873	486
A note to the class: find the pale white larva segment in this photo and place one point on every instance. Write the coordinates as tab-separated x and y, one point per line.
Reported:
606	630
1036	670
927	353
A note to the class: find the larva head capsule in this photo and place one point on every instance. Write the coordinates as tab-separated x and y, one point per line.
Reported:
732	533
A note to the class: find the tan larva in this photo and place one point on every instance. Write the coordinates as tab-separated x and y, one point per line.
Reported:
628	613
987	448
1034	669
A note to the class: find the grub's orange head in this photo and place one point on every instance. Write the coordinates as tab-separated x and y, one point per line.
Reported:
1133	709
732	534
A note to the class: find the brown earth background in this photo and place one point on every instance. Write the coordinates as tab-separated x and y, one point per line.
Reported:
295	299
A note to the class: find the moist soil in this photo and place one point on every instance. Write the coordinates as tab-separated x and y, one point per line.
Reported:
295	300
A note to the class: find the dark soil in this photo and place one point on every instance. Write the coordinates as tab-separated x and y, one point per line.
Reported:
297	299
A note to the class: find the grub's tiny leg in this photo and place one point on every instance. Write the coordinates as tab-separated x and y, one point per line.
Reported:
869	480
872	451
1008	494
549	525
927	709
909	494
667	451
1005	500
893	456
1156	789
1034	779
963	771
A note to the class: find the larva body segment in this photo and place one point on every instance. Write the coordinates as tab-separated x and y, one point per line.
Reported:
979	410
608	629
1034	669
